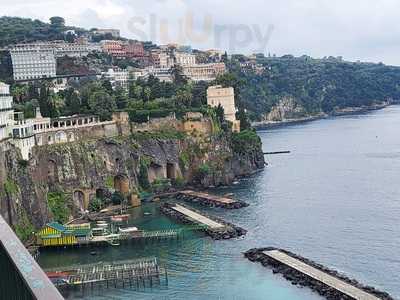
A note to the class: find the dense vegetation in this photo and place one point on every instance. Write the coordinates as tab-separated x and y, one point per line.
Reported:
14	30
318	85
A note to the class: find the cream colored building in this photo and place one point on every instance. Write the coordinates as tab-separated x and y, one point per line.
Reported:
185	59
217	95
204	72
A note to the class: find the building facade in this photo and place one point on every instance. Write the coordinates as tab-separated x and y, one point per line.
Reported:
217	95
204	72
70	49
6	112
117	77
113	48
134	50
33	61
113	32
185	59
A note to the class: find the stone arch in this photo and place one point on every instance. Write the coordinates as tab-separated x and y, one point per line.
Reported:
171	171
60	137
51	170
79	200
71	137
102	193
121	184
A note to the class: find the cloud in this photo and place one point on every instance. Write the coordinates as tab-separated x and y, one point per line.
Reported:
355	29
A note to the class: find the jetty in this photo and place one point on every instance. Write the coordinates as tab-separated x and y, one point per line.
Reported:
304	272
214	227
135	273
209	200
277	152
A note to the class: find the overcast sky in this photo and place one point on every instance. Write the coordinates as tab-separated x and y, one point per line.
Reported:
367	30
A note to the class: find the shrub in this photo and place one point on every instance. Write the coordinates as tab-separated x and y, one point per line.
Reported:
58	206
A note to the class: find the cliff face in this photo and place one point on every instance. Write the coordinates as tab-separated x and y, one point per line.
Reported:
80	170
285	109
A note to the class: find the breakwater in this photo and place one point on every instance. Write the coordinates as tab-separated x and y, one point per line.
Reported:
209	200
304	272
216	228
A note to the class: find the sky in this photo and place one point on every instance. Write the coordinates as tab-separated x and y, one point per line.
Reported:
366	30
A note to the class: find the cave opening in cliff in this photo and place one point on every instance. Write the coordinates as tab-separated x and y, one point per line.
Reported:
171	171
121	184
79	200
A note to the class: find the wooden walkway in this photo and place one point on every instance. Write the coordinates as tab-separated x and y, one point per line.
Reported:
321	276
137	272
198	218
211	198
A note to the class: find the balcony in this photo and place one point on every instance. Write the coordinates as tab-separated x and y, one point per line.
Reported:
21	278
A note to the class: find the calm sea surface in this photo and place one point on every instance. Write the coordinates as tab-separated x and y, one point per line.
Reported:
335	199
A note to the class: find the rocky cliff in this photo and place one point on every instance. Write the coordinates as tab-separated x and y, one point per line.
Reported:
287	108
81	170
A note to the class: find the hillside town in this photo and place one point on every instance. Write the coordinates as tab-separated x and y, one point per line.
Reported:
100	55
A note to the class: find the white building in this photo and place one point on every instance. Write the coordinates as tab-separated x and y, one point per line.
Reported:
23	135
204	72
117	77
217	95
113	32
6	112
33	61
185	59
70	49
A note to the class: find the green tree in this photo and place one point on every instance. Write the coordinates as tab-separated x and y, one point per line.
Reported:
57	23
102	104
121	98
72	102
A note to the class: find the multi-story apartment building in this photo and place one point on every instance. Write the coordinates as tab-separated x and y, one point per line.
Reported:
117	77
113	32
114	48
134	49
204	72
185	59
70	49
161	59
6	112
33	61
23	134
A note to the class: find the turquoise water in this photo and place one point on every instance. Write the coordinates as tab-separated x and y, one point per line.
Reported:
335	199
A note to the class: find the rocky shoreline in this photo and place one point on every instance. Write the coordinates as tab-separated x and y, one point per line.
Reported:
342	112
229	232
300	279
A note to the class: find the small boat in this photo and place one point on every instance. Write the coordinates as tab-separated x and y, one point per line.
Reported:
93	253
147	214
120	218
128	230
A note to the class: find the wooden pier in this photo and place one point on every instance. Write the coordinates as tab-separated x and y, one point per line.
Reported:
210	200
323	277
214	227
136	273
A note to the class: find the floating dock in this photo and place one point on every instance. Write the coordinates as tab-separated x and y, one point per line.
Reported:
215	227
136	273
301	271
210	200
